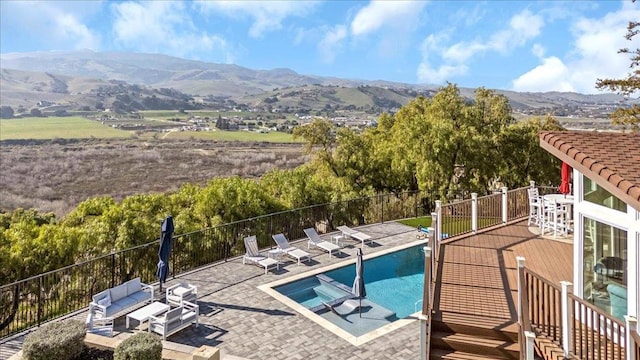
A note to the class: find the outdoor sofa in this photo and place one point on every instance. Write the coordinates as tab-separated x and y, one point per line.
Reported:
121	299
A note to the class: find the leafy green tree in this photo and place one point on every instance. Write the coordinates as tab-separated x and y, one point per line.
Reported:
229	199
299	187
521	159
628	86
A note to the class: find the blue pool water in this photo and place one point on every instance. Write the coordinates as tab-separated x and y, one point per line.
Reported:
393	281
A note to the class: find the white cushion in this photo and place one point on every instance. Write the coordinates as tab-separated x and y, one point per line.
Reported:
106	301
133	286
100	295
118	292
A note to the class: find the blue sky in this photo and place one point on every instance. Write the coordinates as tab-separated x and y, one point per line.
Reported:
516	45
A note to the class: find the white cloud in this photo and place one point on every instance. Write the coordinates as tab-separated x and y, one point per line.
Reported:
592	56
436	75
379	14
551	74
332	42
164	27
266	15
59	25
454	59
538	50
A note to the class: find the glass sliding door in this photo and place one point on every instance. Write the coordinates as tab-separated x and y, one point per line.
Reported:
605	267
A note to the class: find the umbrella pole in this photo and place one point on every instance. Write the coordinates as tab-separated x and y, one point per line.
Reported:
360	307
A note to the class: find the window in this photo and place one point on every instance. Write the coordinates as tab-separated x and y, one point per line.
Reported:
605	267
593	193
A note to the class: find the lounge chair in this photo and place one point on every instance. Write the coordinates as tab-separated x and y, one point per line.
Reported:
349	232
283	244
254	256
347	307
315	240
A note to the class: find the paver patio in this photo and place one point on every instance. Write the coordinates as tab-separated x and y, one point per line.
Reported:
244	321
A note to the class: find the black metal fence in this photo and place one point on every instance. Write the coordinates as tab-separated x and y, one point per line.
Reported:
32	301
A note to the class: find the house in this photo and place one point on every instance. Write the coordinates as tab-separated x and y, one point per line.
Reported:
606	213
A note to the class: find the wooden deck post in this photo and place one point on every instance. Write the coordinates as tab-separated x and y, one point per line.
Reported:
520	261
567	317
474	212
505	215
632	325
530	339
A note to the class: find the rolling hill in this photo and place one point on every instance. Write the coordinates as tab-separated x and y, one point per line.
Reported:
79	79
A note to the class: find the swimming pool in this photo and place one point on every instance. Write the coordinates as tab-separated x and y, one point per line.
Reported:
394	281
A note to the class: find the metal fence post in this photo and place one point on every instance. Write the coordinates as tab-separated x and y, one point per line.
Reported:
40	307
113	269
567	317
415	203
474	212
382	209
505	216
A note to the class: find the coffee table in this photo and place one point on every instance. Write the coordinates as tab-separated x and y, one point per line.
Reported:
144	313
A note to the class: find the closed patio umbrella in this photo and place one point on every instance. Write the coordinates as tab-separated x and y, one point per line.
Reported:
165	249
565	175
358	283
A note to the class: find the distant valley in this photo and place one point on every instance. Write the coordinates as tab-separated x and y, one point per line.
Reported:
127	82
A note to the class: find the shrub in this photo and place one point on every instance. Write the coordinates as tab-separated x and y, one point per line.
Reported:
55	340
140	346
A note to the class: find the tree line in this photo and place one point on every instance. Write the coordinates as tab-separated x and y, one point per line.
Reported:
447	143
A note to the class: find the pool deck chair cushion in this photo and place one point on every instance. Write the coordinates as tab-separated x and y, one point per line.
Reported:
254	256
315	240
347	231
283	244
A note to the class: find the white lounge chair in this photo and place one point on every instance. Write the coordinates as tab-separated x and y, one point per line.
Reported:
349	232
253	255
347	307
283	244
175	320
315	240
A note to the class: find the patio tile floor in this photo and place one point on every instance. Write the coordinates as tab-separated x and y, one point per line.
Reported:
246	322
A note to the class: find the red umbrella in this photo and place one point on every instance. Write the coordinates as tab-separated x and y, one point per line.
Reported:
565	174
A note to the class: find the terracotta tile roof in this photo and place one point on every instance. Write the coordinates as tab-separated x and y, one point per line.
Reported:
610	159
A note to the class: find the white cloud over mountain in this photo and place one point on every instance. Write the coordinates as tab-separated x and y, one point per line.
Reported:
158	26
266	15
454	59
592	55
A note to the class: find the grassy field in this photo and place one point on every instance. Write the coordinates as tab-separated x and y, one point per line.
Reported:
425	221
273	137
57	127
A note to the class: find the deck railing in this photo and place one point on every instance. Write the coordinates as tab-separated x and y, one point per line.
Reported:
466	216
462	217
581	329
32	301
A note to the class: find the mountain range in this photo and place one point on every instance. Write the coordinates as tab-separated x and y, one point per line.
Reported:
74	77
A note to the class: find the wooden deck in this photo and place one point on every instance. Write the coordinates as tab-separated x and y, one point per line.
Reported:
477	283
